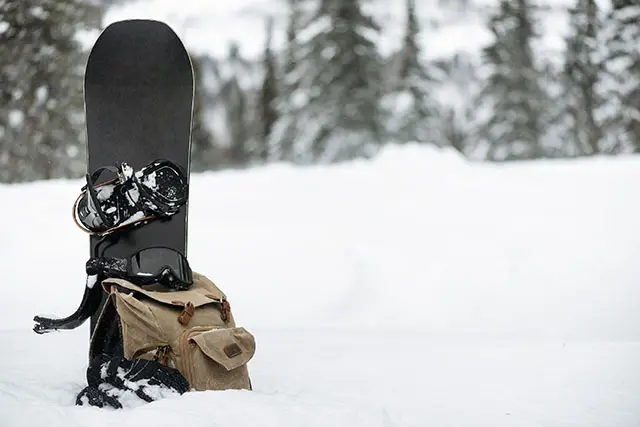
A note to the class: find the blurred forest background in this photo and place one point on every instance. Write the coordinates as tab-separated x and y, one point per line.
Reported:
329	95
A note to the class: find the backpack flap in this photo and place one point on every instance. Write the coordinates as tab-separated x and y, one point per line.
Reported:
216	358
230	347
203	291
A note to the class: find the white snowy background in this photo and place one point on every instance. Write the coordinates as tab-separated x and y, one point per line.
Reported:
416	289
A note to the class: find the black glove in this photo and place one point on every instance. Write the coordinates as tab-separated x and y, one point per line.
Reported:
103	369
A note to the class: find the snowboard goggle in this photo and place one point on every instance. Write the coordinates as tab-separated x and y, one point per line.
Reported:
146	266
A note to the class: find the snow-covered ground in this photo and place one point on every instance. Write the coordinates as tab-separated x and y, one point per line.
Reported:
412	290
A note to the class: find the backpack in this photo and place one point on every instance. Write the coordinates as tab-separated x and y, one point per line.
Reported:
190	330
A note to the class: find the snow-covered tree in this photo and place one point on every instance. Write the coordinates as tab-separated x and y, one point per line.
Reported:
205	154
621	114
454	91
335	85
410	106
283	133
42	69
513	103
268	95
231	110
293	27
581	97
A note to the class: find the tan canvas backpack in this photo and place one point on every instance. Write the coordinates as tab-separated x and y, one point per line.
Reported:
191	330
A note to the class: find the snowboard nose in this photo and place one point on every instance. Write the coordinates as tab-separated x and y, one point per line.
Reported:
138	52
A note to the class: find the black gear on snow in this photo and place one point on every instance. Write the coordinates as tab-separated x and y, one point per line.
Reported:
127	375
90	303
151	265
96	397
91	300
157	190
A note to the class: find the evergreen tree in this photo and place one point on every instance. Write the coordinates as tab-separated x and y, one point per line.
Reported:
268	94
410	106
337	85
582	73
284	130
513	102
236	118
232	111
205	155
456	115
622	112
42	111
292	35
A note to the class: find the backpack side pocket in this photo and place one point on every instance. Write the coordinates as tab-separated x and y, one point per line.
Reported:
216	358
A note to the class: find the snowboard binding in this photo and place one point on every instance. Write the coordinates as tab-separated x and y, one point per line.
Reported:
157	190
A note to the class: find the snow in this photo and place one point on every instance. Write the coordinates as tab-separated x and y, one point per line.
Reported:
91	280
135	217
133	195
16	118
415	289
104	192
149	181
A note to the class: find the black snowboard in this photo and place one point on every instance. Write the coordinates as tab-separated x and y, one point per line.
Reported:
138	103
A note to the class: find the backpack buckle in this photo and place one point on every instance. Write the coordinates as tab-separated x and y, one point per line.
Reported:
225	311
187	313
162	355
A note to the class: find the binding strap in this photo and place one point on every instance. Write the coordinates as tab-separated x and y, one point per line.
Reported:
90	187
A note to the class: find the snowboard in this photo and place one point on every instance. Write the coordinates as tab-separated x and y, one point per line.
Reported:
138	92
